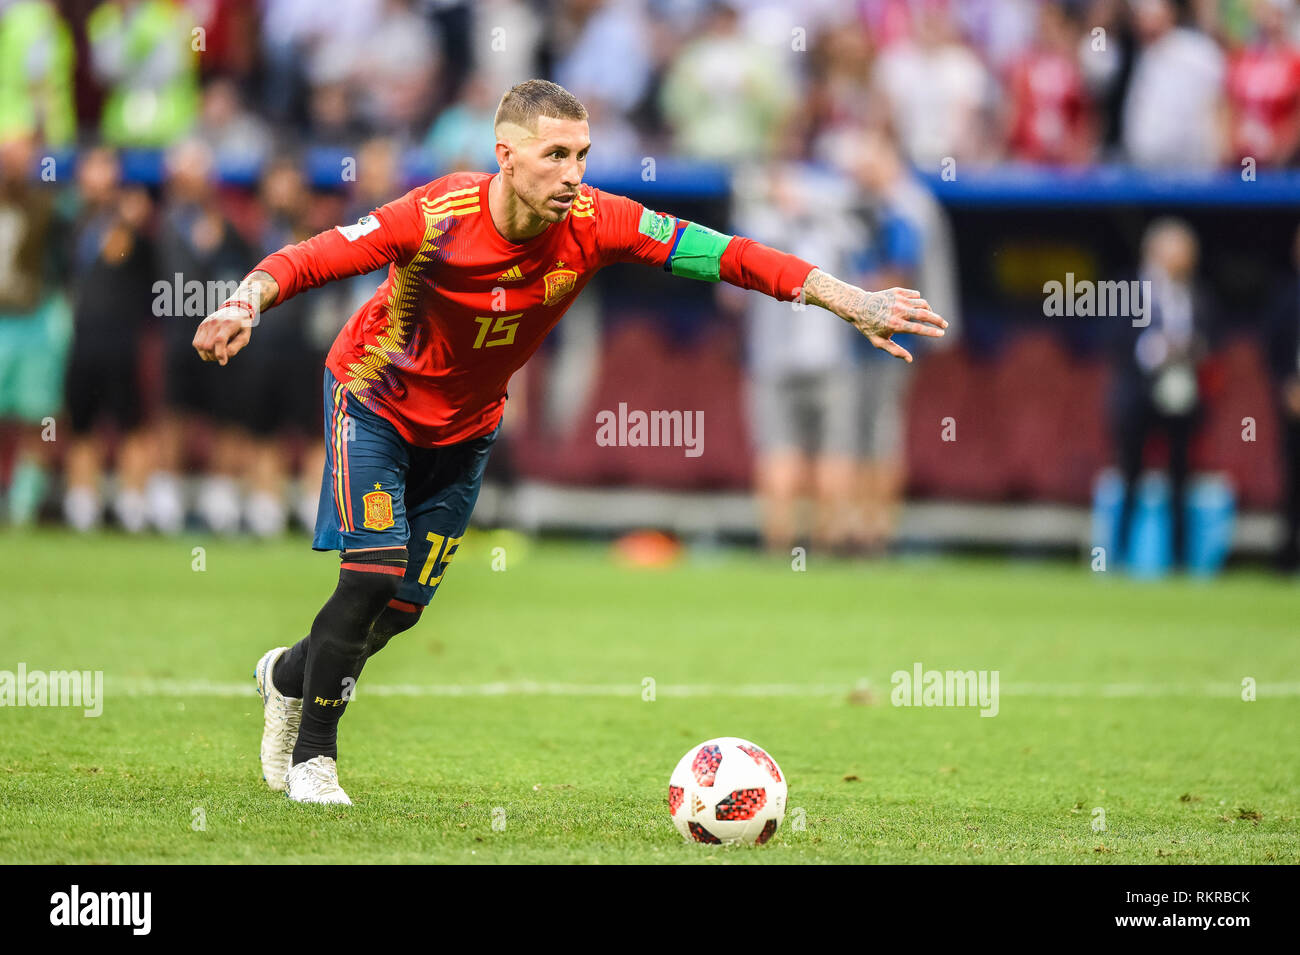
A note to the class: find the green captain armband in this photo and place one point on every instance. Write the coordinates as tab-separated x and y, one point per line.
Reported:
698	253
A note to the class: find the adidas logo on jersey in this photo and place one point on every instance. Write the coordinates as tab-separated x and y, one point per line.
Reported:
512	274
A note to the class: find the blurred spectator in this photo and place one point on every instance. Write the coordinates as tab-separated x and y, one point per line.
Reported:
1172	110
308	44
274	389
379	180
36	64
1264	90
227	44
911	247
197	245
607	66
803	383
1231	22
773	21
34	321
142	50
453	24
396	72
1048	110
1155	384
112	271
936	92
332	121
286	30
723	96
609	59
840	70
888	21
295	346
507	35
913	244
1105	54
617	138
463	136
238	139
1000	31
1283	349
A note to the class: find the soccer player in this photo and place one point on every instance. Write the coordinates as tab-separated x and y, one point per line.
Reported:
480	268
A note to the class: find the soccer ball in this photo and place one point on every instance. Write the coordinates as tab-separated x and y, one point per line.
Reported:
727	790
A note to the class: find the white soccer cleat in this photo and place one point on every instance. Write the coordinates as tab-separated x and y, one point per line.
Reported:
282	717
317	780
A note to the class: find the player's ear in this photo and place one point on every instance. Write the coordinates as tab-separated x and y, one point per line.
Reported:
505	157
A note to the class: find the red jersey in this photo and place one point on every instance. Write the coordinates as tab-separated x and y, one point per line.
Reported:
463	307
1050	108
1264	90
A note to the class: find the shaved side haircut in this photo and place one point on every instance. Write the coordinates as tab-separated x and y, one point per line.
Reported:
523	104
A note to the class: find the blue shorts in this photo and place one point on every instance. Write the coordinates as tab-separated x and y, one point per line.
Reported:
380	491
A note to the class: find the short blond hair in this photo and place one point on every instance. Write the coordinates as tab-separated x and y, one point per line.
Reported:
523	104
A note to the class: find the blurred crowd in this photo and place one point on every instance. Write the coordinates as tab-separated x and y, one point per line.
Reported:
1157	83
825	110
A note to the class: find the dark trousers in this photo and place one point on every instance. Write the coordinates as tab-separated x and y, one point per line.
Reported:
1135	419
1289	552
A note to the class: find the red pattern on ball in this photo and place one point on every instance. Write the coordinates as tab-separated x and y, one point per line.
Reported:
741	804
769	827
700	834
674	799
705	765
762	759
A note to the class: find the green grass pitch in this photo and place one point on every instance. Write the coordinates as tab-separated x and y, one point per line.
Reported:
521	692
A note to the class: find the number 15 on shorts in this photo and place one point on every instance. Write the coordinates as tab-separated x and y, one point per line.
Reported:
441	551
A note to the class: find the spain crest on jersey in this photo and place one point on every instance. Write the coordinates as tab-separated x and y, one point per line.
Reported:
559	283
379	510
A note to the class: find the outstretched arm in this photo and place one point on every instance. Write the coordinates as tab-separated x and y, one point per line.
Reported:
877	315
632	233
392	233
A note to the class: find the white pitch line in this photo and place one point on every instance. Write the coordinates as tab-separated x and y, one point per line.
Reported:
199	688
1146	689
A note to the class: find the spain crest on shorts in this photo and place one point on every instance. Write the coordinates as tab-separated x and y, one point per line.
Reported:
379	510
559	283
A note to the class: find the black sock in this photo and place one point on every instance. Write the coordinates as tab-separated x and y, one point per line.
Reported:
395	618
291	669
336	648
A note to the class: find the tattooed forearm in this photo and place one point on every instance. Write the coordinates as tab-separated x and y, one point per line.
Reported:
877	315
832	294
225	332
263	290
867	310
